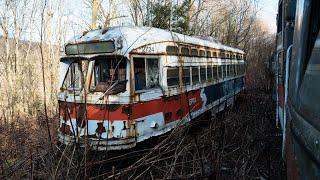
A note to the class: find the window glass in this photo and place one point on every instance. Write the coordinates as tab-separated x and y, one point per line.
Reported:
215	54
185	51
215	72
109	73
231	70
203	73
195	75
152	73
237	69
225	71
146	73
222	55
90	48
73	77
172	50
139	73
308	94
186	76
194	52
173	76
209	73
209	54
220	71
202	53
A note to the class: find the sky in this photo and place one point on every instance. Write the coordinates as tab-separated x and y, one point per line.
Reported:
268	13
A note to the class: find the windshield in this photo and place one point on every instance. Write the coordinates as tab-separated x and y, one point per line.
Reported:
76	72
109	74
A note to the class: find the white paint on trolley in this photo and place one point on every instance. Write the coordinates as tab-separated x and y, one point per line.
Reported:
133	37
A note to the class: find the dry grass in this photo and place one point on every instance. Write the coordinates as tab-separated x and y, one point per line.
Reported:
242	143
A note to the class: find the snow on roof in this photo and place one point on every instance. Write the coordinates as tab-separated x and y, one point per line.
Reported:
133	37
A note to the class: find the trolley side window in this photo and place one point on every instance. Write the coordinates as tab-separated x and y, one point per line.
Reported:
194	52
173	76
185	51
186	76
73	77
209	73
109	74
209	54
203	73
195	75
215	71
202	53
220	71
146	73
172	50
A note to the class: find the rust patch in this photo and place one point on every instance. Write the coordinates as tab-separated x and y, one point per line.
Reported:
81	116
167	116
101	129
64	128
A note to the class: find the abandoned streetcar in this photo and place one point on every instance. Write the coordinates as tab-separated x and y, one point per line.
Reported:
122	85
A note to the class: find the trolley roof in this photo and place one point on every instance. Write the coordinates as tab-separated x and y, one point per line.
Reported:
127	38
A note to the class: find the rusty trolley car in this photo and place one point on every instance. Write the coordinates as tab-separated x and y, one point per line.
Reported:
122	85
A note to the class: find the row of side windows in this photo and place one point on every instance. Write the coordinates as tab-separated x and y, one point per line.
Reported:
146	73
201	74
194	52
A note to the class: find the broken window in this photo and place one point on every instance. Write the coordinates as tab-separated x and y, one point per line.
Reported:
173	76
75	73
146	73
73	78
109	74
195	75
152	66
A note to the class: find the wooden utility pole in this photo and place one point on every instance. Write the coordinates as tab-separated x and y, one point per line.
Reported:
95	7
